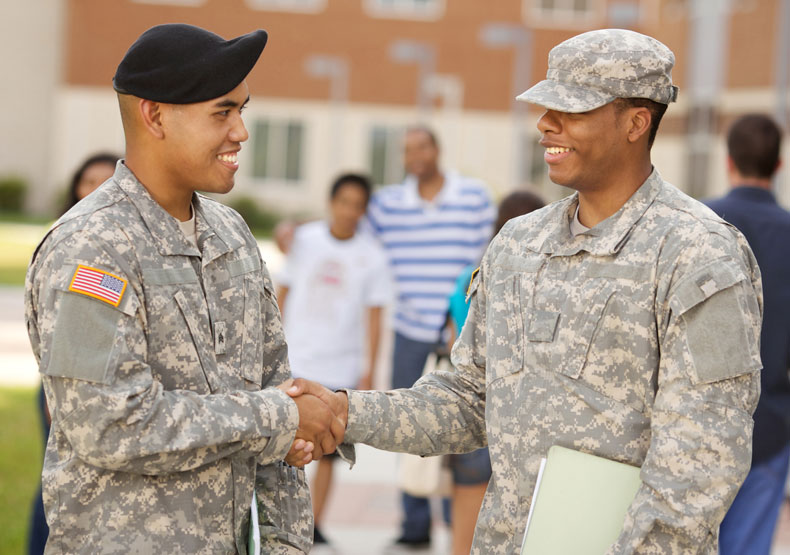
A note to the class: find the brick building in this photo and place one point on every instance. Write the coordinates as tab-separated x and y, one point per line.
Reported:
340	79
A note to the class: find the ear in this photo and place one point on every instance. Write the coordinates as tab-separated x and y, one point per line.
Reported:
151	117
638	124
731	165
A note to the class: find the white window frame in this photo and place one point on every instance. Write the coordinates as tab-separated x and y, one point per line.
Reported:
393	162
535	15
405	9
277	150
295	6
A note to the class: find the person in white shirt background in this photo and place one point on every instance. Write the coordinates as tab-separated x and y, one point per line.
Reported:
333	287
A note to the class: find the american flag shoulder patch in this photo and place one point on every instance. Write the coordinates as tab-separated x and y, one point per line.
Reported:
98	284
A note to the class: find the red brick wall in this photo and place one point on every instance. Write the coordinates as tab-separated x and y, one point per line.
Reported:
98	32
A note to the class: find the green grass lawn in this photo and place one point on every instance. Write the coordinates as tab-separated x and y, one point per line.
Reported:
20	465
17	242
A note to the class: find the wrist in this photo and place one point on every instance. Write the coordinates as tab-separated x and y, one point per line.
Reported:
342	396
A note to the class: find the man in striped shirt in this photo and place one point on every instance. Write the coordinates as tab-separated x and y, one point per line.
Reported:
431	226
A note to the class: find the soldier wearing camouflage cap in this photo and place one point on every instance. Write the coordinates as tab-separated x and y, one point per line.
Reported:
157	333
621	321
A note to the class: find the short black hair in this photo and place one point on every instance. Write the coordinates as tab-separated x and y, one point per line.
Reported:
356	179
754	143
656	109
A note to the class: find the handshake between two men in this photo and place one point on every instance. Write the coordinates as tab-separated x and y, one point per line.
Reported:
323	415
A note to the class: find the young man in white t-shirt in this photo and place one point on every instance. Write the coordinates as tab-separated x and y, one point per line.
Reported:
333	287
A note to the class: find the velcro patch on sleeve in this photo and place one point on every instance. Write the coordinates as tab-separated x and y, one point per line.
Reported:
98	284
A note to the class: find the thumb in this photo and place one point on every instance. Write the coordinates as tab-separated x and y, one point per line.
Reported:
298	387
290	387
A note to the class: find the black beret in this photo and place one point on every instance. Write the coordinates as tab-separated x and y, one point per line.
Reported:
177	63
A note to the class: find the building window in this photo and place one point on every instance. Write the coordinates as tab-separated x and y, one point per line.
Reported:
386	155
309	6
405	9
562	12
678	10
277	150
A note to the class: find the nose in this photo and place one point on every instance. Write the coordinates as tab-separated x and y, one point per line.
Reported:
238	133
549	122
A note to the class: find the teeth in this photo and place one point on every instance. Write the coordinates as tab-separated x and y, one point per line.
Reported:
557	149
231	158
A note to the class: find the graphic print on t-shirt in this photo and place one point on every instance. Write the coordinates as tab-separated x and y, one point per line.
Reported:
328	285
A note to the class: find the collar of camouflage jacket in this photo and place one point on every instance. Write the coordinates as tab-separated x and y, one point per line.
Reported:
214	235
606	238
164	227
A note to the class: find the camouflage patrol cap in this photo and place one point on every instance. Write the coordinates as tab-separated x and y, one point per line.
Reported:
592	69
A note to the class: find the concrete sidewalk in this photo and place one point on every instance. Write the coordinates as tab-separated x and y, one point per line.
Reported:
363	513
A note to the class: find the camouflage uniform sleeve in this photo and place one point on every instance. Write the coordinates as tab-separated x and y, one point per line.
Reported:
275	349
285	511
103	395
275	365
708	386
443	412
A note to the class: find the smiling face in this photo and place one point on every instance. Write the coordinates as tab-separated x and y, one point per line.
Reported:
202	141
584	151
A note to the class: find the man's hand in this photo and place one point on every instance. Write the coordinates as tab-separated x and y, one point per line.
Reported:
320	430
318	424
338	402
301	452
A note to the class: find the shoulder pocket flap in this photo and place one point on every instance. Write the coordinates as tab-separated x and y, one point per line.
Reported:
520	263
243	265
721	336
169	276
83	339
703	284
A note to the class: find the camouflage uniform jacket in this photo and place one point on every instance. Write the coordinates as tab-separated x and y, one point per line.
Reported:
163	420
637	341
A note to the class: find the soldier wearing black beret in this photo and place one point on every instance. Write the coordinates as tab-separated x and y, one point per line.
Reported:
159	341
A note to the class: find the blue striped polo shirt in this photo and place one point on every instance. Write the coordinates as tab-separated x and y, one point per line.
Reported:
428	245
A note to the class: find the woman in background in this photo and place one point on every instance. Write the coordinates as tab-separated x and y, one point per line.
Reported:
94	171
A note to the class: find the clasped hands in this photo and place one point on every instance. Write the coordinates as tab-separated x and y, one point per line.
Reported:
323	415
